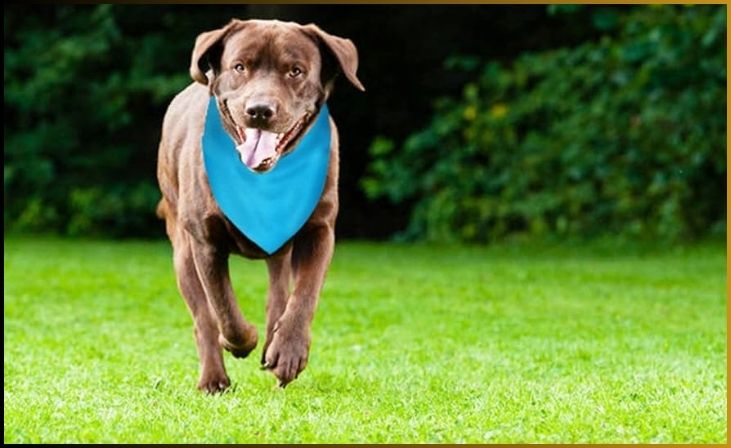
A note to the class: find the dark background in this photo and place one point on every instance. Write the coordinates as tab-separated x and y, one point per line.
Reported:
86	88
402	51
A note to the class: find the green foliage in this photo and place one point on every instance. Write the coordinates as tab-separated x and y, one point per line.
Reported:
623	135
75	159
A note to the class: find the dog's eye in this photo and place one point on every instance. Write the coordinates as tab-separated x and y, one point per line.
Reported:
295	72
239	67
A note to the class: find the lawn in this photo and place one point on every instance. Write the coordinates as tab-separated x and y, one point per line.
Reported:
514	343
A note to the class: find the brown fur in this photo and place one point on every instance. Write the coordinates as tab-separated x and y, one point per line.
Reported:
202	238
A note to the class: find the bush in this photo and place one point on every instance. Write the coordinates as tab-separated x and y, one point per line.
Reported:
625	135
77	161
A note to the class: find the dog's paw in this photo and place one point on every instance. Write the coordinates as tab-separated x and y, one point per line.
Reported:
286	355
243	344
214	383
267	343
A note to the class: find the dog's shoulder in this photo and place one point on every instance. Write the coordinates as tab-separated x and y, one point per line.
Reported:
186	111
181	131
180	172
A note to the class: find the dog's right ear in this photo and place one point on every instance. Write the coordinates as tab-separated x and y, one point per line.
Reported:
207	51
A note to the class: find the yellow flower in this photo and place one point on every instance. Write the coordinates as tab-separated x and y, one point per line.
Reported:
498	110
470	113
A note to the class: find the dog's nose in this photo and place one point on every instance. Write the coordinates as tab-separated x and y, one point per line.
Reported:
260	111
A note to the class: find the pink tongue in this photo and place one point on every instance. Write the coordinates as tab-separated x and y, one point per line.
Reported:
259	146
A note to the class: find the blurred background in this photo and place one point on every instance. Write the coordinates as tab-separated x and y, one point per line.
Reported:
480	123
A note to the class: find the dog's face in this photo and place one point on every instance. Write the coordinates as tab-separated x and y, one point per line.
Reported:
270	79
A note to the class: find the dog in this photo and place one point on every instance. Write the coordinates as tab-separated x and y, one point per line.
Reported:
268	78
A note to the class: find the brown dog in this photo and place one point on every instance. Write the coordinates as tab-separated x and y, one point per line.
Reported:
267	76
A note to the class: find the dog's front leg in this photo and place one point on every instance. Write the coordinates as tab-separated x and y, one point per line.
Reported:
236	334
287	353
213	376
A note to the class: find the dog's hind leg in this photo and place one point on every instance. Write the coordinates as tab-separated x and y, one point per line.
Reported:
213	376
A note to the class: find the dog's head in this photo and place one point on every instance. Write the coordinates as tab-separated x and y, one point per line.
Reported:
270	79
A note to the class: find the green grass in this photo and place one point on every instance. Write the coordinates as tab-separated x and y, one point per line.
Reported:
593	343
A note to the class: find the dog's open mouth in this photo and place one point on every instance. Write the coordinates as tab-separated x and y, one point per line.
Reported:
260	150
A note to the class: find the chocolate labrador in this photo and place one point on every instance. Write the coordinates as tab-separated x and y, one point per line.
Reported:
268	79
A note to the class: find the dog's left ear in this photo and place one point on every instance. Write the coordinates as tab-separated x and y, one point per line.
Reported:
343	49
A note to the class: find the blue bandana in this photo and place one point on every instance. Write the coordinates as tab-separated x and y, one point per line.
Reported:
268	208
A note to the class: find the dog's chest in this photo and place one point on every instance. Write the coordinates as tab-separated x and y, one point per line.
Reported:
241	245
